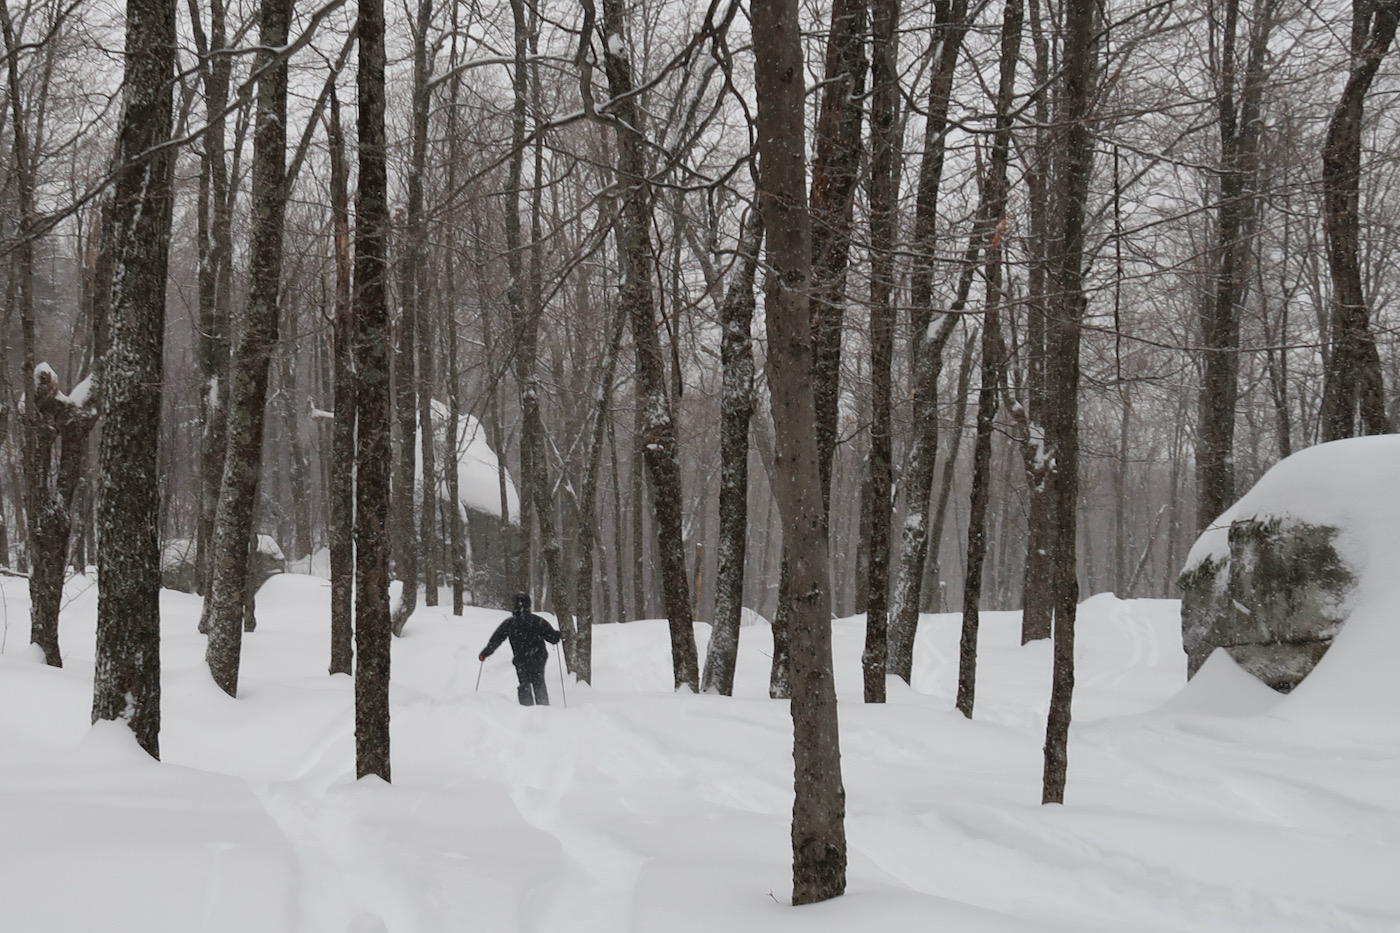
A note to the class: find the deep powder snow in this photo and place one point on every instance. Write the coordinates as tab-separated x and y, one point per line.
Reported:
1221	807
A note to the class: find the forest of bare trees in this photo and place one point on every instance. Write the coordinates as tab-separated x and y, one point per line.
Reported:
791	309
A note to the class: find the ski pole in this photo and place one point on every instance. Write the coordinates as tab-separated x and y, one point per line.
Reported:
478	677
559	656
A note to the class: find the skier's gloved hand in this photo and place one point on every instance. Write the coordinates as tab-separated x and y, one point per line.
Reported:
481	657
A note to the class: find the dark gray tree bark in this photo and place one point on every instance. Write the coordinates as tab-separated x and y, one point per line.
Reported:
736	412
993	356
372	455
1073	165
818	816
835	172
407	377
537	494
1239	102
49	417
885	145
1037	594
342	479
659	443
581	660
931	600
457	560
1353	397
257	341
928	341
126	680
215	280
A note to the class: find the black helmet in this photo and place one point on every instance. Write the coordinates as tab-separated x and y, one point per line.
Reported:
521	602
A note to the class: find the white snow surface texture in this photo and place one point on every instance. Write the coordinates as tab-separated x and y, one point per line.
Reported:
1218	807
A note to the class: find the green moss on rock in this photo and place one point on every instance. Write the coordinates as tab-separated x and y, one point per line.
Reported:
1274	603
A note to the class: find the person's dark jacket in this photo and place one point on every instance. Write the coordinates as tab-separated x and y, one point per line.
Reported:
527	633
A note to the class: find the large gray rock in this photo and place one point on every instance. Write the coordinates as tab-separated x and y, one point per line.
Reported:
177	564
1274	601
1313	546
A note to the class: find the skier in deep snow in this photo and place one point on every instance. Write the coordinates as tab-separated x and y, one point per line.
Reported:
527	633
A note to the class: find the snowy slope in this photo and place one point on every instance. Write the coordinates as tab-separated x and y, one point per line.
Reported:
1215	808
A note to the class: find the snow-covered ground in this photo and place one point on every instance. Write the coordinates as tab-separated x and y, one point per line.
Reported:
1216	808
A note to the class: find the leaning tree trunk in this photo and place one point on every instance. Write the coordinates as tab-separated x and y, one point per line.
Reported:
372	455
1352	388
927	344
993	362
1073	166
126	680
660	447
736	411
819	807
257	340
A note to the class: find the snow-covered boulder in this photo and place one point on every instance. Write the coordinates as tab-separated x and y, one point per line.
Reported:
1274	578
177	564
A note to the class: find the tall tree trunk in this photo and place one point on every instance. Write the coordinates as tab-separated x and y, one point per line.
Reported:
928	341
581	662
1353	394
372	456
536	493
46	517
933	582
1037	587
736	412
637	468
818	814
342	491
406	377
993	353
427	522
885	145
1073	165
457	560
660	446
835	171
215	284
1238	104
981	494
257	340
126	681
297	542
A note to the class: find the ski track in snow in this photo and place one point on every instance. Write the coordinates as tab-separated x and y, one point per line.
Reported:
638	809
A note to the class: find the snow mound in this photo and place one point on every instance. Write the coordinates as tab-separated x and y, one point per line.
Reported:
629	806
1350	485
1222	688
